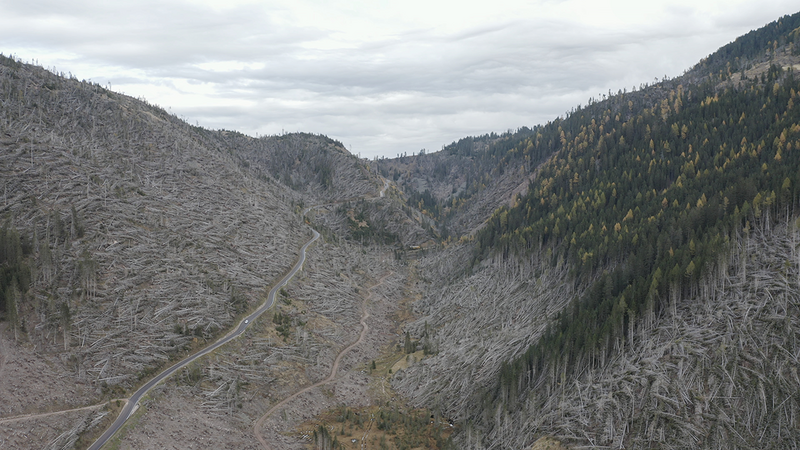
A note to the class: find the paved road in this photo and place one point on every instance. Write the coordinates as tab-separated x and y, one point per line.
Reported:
132	404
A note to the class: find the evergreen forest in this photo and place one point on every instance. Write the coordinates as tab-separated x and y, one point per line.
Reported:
642	197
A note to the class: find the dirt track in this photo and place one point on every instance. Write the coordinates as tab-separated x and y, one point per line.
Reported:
334	369
55	413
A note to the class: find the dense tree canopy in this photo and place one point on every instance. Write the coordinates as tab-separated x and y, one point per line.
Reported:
642	202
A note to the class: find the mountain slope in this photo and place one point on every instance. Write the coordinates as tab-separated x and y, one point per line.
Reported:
642	197
317	167
461	185
144	235
129	239
641	290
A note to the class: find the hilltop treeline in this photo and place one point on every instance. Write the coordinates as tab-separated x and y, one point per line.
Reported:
765	41
450	184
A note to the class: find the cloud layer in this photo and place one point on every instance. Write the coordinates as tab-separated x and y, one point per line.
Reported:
382	77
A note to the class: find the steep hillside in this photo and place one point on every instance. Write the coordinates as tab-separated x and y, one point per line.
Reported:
715	369
644	195
143	236
461	185
751	54
129	239
626	276
317	167
342	188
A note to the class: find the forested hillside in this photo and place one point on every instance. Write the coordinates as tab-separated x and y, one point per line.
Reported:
640	204
644	197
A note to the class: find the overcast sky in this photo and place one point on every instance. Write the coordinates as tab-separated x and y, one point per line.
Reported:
383	77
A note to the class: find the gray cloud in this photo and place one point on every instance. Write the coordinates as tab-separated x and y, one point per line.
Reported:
263	69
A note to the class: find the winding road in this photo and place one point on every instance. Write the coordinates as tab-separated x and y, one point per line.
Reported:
132	404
